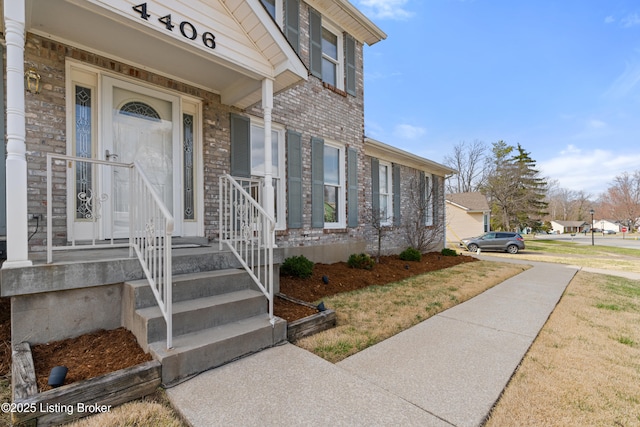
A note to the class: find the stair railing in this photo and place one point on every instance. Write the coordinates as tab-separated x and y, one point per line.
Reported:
150	223
248	231
151	229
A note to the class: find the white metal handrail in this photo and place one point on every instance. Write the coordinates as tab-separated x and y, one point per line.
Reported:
92	199
151	229
247	229
151	225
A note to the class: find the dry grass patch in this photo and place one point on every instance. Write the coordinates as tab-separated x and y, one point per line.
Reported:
153	411
584	367
370	315
5	397
598	256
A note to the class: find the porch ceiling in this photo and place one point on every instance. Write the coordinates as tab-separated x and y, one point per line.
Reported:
248	44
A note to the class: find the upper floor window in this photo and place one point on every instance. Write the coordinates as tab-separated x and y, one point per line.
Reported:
275	8
270	5
330	60
326	54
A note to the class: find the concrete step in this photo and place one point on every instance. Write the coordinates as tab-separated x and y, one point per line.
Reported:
191	286
197	314
209	348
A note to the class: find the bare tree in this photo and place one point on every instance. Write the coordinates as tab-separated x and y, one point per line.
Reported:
374	218
621	201
423	223
469	159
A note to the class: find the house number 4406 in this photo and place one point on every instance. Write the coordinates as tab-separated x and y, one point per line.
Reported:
187	29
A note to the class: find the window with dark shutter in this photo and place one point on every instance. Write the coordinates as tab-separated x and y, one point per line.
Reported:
292	23
396	194
352	189
240	146
317	182
375	189
350	65
315	43
294	174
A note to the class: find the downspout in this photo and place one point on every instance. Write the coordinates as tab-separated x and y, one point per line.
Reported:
16	171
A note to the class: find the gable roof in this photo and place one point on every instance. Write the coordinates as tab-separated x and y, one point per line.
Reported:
471	201
224	46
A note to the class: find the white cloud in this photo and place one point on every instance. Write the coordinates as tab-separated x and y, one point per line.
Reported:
596	124
571	150
630	20
609	19
385	9
590	171
408	132
626	81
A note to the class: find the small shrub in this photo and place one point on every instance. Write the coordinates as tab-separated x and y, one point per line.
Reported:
362	261
448	252
410	254
297	266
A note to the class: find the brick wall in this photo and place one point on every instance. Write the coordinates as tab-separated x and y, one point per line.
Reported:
46	131
311	108
394	238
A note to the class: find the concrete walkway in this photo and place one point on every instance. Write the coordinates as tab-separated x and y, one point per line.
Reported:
446	371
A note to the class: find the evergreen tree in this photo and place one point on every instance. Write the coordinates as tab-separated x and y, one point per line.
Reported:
515	189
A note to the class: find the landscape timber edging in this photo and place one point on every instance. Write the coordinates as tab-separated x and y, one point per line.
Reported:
310	325
79	399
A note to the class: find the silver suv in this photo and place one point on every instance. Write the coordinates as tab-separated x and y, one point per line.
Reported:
495	241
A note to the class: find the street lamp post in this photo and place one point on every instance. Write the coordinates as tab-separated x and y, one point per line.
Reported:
591	212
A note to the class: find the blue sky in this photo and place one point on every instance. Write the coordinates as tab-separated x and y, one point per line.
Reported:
562	78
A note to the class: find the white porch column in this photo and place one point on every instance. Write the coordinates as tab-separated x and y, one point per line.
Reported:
16	179
267	106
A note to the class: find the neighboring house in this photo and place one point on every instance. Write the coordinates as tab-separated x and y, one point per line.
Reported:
190	93
467	215
606	224
561	227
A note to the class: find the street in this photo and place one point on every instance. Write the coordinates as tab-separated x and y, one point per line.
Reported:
616	240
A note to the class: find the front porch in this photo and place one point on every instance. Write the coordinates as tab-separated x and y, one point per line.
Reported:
219	314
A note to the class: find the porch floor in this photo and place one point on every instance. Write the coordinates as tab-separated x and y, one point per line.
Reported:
181	246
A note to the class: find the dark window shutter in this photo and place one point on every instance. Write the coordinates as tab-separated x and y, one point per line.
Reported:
350	65
315	41
375	190
436	198
292	23
422	187
240	146
294	175
317	182
396	194
352	189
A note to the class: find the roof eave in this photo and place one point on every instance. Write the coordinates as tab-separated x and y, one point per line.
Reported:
379	149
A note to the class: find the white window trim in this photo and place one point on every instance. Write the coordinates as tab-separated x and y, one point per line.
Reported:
281	221
340	62
342	199
93	76
388	221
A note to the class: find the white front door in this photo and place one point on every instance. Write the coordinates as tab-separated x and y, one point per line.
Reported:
139	125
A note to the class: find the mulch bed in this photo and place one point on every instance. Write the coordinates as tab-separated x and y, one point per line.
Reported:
101	352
